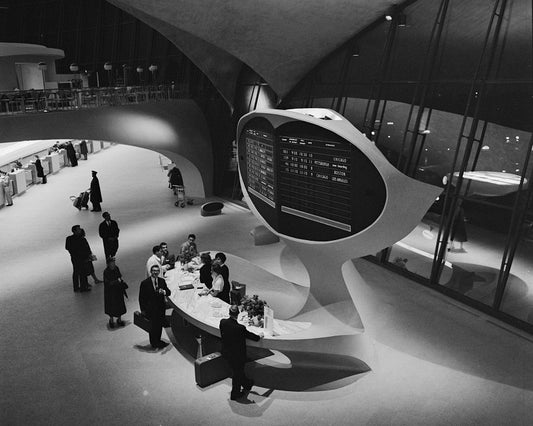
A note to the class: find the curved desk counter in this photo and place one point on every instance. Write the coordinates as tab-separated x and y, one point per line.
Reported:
295	329
205	312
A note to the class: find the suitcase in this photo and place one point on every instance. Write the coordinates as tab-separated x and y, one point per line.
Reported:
211	369
142	321
85	198
81	200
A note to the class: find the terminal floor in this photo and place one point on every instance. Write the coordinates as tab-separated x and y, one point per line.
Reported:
437	362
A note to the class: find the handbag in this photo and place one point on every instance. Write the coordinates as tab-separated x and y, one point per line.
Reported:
124	287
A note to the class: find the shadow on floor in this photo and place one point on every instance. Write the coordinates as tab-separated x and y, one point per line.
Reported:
308	372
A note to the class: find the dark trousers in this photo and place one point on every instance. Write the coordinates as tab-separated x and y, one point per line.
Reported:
44	179
110	247
79	275
239	378
96	206
156	330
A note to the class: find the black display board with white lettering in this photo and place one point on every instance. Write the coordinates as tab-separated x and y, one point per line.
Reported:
307	182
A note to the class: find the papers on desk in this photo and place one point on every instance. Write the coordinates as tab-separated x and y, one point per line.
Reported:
187	282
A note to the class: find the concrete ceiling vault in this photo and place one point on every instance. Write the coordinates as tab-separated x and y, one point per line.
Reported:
281	40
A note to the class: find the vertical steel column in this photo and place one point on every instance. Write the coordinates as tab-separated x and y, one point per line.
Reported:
115	40
452	202
513	238
310	86
78	37
98	37
344	75
59	23
422	92
377	87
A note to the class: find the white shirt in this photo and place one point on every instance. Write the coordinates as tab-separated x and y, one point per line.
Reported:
218	283
153	260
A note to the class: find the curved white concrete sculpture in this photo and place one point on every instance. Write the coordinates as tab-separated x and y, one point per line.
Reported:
335	286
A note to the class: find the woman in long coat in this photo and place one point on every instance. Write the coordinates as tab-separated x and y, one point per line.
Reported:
114	292
39	167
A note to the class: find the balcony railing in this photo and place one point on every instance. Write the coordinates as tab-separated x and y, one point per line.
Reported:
32	101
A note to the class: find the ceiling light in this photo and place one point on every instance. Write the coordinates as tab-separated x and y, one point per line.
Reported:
388	17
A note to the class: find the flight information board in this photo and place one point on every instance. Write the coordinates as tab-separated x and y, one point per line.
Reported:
260	165
315	180
308	182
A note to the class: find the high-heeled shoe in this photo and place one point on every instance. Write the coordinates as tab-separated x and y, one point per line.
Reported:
111	324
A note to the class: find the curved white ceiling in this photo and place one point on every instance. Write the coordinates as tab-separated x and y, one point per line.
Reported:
281	40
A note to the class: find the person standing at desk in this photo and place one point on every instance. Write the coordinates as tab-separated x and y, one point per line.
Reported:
5	183
205	271
71	154
220	259
166	257
189	250
152	294
155	260
39	168
234	337
108	231
83	149
96	194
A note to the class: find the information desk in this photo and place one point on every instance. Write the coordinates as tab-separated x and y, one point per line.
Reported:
18	177
205	312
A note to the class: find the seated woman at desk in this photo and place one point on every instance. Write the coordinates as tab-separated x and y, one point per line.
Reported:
205	271
218	289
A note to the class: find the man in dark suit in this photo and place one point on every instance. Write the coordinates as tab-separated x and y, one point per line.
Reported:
96	194
80	253
109	231
234	337
152	302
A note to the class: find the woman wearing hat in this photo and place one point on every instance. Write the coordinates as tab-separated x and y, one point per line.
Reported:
114	292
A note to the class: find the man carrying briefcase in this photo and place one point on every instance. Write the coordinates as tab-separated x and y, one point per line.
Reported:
152	302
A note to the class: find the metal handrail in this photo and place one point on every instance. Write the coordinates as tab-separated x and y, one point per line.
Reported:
49	100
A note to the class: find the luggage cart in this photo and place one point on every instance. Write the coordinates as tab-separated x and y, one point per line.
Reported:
179	191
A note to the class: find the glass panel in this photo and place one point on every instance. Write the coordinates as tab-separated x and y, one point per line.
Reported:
464	32
518	297
515	61
412	40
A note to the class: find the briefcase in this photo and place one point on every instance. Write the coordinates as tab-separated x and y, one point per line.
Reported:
142	321
211	369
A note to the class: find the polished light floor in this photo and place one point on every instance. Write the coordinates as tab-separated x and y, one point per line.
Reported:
437	362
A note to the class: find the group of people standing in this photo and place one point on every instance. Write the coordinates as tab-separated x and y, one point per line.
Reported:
82	256
214	274
82	259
